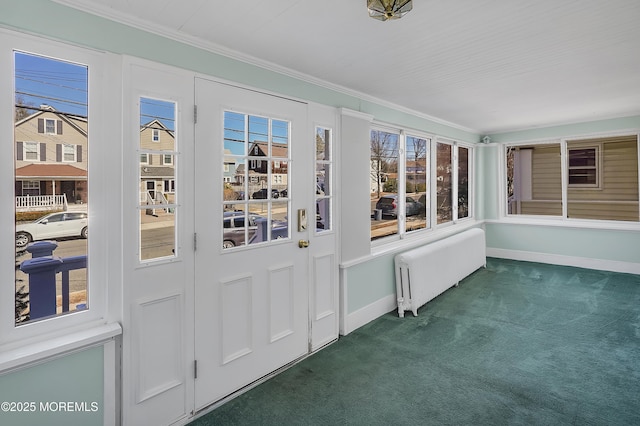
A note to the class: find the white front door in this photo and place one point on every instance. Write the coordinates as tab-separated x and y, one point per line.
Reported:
252	266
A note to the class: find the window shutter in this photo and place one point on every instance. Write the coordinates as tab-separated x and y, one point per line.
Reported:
59	127
58	152
79	154
43	152
150	159
162	160
19	151
40	125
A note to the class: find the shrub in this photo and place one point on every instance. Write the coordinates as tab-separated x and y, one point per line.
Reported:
31	216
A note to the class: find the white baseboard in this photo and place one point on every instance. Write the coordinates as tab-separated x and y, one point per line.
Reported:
556	259
367	314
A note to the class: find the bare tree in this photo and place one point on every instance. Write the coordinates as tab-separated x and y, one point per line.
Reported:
384	157
417	151
22	108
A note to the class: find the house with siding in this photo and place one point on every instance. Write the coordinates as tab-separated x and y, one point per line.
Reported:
601	179
51	156
157	168
275	164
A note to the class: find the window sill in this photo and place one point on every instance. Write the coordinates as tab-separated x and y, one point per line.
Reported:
567	223
409	242
16	356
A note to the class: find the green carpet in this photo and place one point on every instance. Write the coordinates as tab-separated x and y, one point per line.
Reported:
517	343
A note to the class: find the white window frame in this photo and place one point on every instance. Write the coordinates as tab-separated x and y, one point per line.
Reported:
73	151
324	196
402	233
563	219
164	159
31	184
47	122
171	183
25	151
146	158
103	112
597	167
155	135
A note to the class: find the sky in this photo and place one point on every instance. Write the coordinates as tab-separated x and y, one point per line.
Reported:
40	80
64	85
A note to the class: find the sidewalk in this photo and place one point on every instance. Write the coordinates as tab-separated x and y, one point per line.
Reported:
161	219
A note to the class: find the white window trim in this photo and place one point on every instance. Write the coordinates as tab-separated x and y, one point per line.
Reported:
105	111
24	151
329	229
73	152
172	186
502	164
379	245
155	135
46	126
597	167
504	217
30	184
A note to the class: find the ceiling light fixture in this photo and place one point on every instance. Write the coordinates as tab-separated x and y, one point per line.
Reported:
384	10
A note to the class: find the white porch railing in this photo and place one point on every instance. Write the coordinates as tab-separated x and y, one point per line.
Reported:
26	203
149	200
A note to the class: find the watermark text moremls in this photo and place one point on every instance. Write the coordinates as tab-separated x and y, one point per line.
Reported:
69	406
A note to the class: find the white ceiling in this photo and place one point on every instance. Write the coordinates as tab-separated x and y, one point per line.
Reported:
484	65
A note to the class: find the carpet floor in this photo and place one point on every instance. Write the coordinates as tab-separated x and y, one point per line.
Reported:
517	343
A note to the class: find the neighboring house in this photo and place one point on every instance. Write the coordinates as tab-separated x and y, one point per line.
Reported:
157	170
229	167
599	174
239	174
416	172
50	159
258	168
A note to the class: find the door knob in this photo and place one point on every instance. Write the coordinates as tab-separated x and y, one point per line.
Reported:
303	243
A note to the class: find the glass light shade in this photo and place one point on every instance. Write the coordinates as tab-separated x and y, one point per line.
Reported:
384	10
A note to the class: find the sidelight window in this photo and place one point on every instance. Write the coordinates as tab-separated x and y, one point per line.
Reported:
51	244
158	155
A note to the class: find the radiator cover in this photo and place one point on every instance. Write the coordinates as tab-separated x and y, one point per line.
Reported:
425	272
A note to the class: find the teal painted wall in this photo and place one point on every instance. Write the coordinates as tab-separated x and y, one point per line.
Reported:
576	129
370	281
50	387
622	246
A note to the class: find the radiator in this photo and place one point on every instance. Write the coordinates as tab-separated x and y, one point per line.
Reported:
425	272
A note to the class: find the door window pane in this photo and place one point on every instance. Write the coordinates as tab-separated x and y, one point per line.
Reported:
158	183
323	189
256	178
51	104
